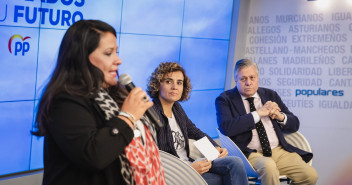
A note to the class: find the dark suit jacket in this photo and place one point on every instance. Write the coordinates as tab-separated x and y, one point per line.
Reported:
79	147
234	122
189	130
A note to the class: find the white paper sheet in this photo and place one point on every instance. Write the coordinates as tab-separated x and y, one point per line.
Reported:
206	148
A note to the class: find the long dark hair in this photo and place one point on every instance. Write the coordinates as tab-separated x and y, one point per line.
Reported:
74	73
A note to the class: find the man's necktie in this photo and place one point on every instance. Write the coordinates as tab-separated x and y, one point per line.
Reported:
263	138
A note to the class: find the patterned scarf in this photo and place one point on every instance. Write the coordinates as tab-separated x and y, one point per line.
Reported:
111	109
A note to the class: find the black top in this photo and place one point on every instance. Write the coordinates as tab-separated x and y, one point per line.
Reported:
80	147
189	130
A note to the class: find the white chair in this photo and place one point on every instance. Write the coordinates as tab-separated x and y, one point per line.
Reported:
295	139
179	173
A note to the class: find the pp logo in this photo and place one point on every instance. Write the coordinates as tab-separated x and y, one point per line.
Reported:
20	46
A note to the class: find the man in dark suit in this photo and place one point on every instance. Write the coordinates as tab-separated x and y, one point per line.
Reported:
240	121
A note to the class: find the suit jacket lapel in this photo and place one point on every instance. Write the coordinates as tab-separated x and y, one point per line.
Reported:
236	99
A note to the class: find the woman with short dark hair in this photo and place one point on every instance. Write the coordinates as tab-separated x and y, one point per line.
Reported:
169	85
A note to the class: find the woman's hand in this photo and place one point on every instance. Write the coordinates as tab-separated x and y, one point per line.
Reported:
201	166
136	103
223	152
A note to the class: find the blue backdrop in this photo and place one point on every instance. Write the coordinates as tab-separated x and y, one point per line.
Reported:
193	32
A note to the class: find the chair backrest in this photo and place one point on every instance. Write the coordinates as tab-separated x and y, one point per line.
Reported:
233	150
295	139
178	172
298	140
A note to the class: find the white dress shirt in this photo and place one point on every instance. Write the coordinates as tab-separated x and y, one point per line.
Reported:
269	128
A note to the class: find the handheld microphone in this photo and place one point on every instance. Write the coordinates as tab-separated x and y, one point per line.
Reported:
126	80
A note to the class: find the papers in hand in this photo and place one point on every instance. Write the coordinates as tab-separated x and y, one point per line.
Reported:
206	148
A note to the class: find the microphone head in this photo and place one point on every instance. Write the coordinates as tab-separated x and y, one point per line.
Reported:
125	79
